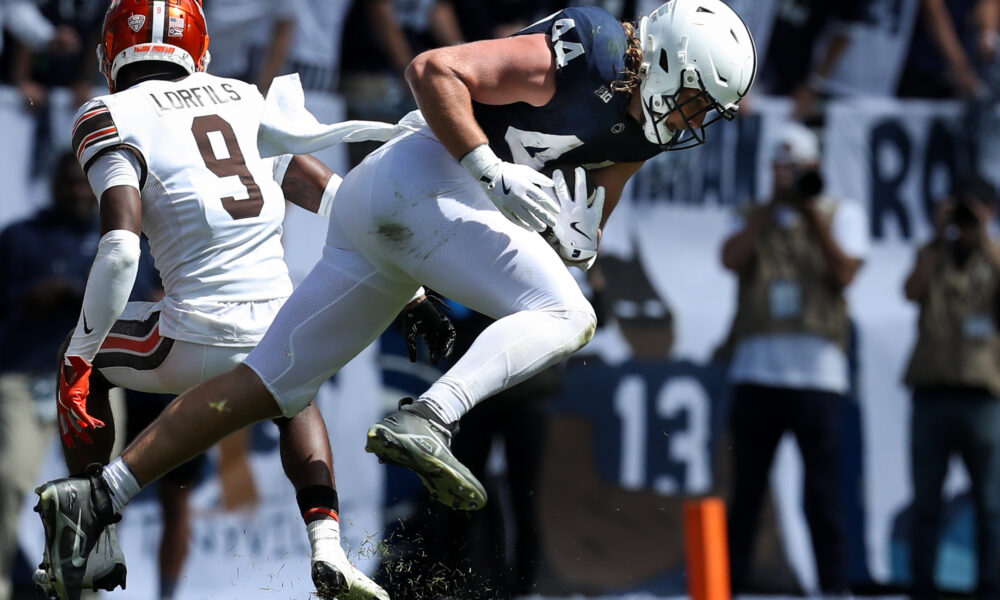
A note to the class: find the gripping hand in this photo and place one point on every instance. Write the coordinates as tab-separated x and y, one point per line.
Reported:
73	390
422	319
577	230
516	190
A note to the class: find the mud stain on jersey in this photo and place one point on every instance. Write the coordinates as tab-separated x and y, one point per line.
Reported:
394	232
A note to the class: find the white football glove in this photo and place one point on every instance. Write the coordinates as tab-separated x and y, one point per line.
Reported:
516	190
578	224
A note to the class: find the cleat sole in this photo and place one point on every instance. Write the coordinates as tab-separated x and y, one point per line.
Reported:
47	507
330	583
114	579
446	485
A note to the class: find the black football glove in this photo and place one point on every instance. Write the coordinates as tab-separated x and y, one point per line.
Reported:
423	319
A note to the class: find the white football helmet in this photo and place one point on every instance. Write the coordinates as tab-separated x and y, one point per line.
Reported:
698	44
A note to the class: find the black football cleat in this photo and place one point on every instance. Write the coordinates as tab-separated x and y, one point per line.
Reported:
74	511
413	437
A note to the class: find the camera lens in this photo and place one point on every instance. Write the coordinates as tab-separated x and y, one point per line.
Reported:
964	215
809	184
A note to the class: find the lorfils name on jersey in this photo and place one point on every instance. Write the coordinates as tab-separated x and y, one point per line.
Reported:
194	98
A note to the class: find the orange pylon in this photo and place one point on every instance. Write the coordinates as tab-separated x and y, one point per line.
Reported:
706	546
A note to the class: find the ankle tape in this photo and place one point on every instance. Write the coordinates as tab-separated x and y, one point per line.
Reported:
100	496
317	496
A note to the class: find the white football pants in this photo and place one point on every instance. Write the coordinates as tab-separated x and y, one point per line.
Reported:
411	215
135	356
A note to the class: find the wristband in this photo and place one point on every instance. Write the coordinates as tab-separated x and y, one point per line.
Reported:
417	295
280	166
481	161
329	192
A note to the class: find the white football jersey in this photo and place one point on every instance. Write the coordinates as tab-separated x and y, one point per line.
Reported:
210	206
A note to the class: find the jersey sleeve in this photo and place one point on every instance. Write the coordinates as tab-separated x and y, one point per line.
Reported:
94	131
589	45
113	168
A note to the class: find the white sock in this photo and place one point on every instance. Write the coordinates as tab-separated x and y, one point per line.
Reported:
122	483
324	538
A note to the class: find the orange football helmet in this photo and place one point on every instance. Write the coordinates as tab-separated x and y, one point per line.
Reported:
168	30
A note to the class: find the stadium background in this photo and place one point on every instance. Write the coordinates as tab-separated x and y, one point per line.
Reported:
641	435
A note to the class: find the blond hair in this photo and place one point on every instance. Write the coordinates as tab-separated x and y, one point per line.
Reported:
633	59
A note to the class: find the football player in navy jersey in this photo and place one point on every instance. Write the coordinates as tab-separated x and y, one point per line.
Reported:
458	203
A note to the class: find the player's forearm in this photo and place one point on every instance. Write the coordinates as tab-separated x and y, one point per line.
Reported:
108	288
613	179
307	182
446	103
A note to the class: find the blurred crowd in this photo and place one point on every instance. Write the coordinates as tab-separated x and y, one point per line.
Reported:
793	254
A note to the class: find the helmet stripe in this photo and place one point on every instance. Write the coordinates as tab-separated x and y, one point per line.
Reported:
159	21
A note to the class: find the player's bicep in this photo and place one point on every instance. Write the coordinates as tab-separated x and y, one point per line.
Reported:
121	208
114	176
503	71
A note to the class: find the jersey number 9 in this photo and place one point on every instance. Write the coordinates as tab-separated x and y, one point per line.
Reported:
227	167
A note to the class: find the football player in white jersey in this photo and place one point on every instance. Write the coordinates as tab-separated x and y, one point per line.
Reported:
173	152
457	203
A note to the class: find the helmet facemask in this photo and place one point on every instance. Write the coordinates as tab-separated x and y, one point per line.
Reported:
657	108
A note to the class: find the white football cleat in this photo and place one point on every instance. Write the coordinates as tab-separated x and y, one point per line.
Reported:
333	574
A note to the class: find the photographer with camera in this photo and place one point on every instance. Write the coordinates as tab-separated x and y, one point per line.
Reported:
954	372
794	256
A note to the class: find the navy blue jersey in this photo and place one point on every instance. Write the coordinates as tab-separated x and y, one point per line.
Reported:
585	123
